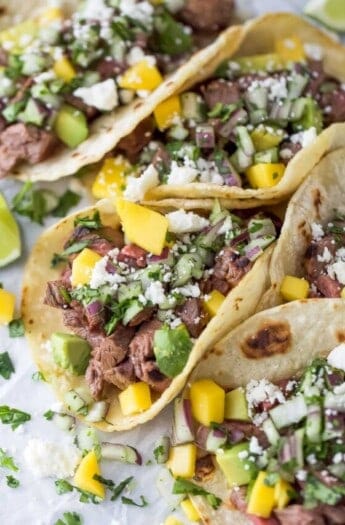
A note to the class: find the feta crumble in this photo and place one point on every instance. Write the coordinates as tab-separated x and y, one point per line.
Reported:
305	138
181	221
48	459
336	357
155	293
138	186
180	175
102	95
259	391
317	231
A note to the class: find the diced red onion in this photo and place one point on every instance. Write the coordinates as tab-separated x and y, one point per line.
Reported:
215	439
182	422
233	180
238	117
204	137
110	267
240	238
94	308
119	452
159	258
253	253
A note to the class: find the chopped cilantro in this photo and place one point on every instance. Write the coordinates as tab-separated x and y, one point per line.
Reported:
13	417
69	518
63	486
49	415
66	202
129	501
170	36
16	328
158	452
6	365
316	492
115	489
12	482
182	486
73	248
30	203
6	461
255	227
93	223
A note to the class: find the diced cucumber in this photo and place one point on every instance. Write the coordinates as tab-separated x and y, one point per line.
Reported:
261	226
257	98
7	86
87	439
271	431
129	291
90	78
50	34
289	413
34	63
297	109
133	309
97	411
335	401
296	85
268	156
192	106
118	48
178	132
32	113
75	403
314	423
189	265
51	200
245	142
240	160
41	92
63	421
258	116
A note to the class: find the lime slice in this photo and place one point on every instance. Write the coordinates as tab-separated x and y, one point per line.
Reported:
329	12
9	235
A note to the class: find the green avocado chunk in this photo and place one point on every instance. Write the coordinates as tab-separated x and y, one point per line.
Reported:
172	347
70	352
236	405
312	117
71	126
237	470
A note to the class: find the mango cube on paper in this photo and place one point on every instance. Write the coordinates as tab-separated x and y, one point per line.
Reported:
182	460
83	266
207	400
294	288
190	510
135	398
7	305
84	476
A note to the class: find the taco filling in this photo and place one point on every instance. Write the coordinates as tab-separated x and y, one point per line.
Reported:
58	75
240	128
137	307
279	446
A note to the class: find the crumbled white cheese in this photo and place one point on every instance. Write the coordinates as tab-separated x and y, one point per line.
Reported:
45	458
135	55
141	11
243	454
338	458
317	231
304	137
189	290
100	276
263	390
313	51
301	475
155	293
102	95
138	186
96	9
337	271
277	87
336	357
180	175
254	446
181	221
311	458
326	255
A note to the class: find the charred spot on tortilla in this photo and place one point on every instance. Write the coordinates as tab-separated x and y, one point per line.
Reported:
317	201
301	225
204	468
340	335
271	339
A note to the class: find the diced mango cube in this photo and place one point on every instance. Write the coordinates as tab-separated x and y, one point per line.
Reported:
207	400
182	460
213	302
84	476
111	178
135	398
166	112
265	175
142	75
83	266
7	304
64	69
293	288
236	406
144	227
261	499
171	520
50	15
290	49
342	293
282	493
190	510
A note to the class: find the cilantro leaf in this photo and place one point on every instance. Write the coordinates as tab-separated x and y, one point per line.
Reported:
73	248
6	461
30	203
182	486
93	223
69	518
66	202
49	415
115	489
13	416
129	501
316	492
6	365
16	328
63	486
158	452
12	482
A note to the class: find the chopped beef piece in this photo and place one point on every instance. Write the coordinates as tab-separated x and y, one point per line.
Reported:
335	515
94	378
239	498
110	68
317	77
142	356
101	246
142	316
3	123
161	158
319	254
132	255
228	270
132	145
112	235
193	316
333	104
296	514
96	240
256	520
204	468
206	15
121	375
117	343
206	286
53	296
238	430
95	315
288	149
89	111
328	287
24	142
141	39
222	91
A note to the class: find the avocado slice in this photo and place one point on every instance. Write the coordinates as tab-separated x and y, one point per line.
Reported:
264	139
71	126
256	63
71	352
172	347
236	406
312	117
237	471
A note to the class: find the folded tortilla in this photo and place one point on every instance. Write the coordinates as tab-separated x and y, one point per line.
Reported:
314	202
41	320
108	129
258	37
229	365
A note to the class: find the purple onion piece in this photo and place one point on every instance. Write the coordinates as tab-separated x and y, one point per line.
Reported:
233	180
253	253
119	452
159	258
182	422
110	267
201	436
205	137
94	308
215	440
240	116
244	236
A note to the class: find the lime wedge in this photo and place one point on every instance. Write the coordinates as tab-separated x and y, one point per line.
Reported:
329	12
9	235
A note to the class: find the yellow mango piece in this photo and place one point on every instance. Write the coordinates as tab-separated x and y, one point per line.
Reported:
190	510
266	62
282	493
293	288
144	227
171	520
213	302
290	49
7	304
83	265
64	69
142	75
84	476
50	15
207	400
166	112
135	398
342	293
265	175
261	499
182	460
111	178
263	139
236	406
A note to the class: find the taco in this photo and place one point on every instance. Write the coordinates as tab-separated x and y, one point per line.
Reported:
72	85
116	318
247	128
309	260
263	414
